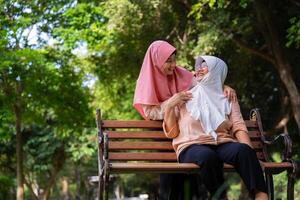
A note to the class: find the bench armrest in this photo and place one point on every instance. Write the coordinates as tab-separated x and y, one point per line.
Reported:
105	140
286	154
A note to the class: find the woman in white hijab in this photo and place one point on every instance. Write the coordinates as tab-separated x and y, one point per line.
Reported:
209	130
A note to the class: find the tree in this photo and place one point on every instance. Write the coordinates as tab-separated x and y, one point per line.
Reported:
253	27
28	73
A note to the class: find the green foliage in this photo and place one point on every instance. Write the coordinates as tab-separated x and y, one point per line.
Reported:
6	185
47	85
133	185
40	147
233	181
84	22
116	100
82	147
293	33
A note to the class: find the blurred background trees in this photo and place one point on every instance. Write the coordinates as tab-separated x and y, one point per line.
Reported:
61	59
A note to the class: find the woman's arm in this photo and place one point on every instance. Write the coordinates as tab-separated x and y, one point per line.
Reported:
243	137
171	128
153	112
230	93
239	129
170	123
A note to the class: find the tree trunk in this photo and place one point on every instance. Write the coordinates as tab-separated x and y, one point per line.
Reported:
78	180
291	87
19	153
65	188
58	161
281	63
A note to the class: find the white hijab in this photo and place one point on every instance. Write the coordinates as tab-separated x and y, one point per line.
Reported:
209	105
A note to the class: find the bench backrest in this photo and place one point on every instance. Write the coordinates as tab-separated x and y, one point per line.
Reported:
142	140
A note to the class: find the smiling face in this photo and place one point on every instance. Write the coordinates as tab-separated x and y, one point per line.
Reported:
201	71
169	66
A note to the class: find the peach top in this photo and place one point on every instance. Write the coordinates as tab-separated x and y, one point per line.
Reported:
191	131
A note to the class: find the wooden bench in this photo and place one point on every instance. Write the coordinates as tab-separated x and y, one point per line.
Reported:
141	146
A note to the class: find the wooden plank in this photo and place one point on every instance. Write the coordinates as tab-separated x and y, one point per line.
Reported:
152	166
136	135
159	145
157	135
251	124
276	168
148	124
175	167
257	144
260	155
131	124
254	134
170	156
140	145
282	165
159	167
155	168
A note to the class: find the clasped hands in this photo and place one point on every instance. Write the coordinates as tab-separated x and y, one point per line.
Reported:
182	97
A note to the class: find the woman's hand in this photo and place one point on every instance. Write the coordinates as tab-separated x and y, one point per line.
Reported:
230	93
179	98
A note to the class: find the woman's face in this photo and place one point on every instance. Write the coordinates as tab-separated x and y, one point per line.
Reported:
169	66
201	71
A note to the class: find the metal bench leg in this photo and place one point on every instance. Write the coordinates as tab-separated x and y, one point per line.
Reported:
290	186
106	188
270	186
100	188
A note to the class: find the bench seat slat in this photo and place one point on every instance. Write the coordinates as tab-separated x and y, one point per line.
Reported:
136	135
158	167
257	144
180	167
131	124
168	156
156	135
148	124
189	167
159	145
254	134
140	145
260	155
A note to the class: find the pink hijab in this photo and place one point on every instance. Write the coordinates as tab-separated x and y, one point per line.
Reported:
153	87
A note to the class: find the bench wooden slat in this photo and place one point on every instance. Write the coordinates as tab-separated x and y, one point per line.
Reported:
260	155
159	145
131	124
251	124
156	135
184	166
148	124
167	156
136	135
152	166
178	167
141	145
254	134
257	144
173	167
282	165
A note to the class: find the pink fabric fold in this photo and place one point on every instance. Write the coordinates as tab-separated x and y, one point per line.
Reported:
152	86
